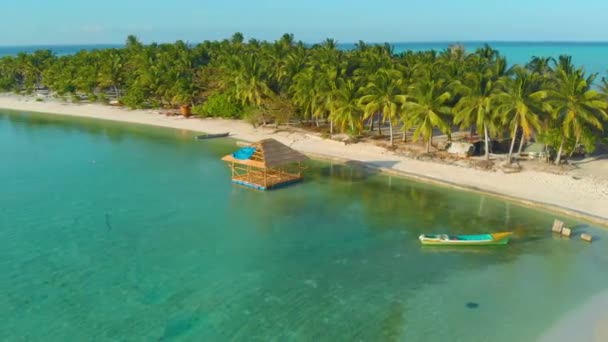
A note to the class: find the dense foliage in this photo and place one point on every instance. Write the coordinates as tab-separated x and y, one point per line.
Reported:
350	91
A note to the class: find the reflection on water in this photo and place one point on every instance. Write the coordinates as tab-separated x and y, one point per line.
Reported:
152	242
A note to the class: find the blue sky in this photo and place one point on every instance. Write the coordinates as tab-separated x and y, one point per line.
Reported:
26	22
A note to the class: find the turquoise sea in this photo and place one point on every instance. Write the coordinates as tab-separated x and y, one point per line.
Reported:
117	232
593	56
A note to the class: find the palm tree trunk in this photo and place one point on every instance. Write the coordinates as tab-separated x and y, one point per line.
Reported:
558	159
371	124
485	132
428	144
331	127
574	149
521	145
404	136
512	144
379	126
390	125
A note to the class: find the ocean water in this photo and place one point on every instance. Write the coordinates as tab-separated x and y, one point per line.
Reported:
593	56
120	232
59	50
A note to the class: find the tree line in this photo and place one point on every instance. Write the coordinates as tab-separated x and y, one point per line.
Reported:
348	90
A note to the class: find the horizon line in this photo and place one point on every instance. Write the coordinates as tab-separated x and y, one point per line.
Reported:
321	41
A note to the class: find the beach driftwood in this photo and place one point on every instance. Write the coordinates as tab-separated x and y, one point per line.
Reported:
566	232
586	237
557	226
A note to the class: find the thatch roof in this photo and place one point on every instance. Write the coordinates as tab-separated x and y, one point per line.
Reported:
270	153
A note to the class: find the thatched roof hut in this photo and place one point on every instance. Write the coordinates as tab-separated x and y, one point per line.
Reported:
266	164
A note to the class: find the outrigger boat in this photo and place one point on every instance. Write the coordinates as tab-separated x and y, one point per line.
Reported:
210	136
465	240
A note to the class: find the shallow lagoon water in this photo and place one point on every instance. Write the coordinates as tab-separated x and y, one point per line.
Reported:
111	231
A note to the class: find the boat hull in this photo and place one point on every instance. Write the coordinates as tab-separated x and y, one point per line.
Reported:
211	136
465	240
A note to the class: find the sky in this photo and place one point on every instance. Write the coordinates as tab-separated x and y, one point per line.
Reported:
33	22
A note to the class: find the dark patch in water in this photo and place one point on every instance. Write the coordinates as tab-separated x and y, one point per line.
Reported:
177	328
108	222
471	305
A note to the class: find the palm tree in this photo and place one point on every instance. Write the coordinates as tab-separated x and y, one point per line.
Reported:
347	111
479	91
518	104
246	80
540	66
604	87
237	38
304	92
427	108
576	107
385	96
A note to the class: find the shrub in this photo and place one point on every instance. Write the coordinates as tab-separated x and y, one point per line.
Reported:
135	98
552	137
220	106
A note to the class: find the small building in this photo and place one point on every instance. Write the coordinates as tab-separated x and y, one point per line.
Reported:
266	164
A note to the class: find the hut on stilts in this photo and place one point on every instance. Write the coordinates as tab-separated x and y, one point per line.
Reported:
266	164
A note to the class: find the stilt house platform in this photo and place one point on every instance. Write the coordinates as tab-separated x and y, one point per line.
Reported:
266	164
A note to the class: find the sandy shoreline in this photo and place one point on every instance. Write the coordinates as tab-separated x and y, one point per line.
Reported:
586	323
583	197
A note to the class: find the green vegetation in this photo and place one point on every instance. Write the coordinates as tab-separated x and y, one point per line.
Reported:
219	105
349	91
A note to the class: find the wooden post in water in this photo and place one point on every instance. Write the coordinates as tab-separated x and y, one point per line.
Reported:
557	226
265	181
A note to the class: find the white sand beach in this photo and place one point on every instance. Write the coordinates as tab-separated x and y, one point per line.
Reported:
587	323
584	196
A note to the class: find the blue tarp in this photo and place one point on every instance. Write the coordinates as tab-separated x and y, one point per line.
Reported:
244	153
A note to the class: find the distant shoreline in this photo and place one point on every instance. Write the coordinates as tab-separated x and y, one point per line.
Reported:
585	199
422	42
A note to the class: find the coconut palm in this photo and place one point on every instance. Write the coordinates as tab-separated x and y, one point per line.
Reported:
541	66
384	95
519	104
346	111
475	107
575	106
604	87
246	80
427	108
304	92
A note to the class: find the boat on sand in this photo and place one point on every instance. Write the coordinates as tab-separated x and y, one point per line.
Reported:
465	240
211	136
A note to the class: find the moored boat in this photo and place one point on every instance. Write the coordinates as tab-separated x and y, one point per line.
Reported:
465	240
211	136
